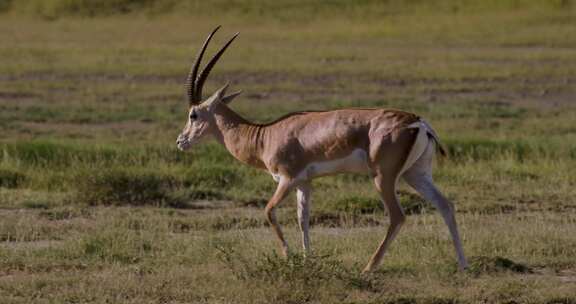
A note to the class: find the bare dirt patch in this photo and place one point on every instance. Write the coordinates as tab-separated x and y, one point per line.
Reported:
346	86
31	245
17	95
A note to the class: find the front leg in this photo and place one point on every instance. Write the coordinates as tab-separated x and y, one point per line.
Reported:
284	185
303	200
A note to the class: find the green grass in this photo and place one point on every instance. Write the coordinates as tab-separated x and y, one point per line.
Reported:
97	205
282	10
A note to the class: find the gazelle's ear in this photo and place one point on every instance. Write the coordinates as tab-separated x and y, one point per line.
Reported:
216	98
229	98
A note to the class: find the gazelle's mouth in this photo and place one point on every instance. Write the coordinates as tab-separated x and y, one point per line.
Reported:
183	143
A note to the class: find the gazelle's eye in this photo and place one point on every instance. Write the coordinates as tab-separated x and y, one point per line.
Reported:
193	116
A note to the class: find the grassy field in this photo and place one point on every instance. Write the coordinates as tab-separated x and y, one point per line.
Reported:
98	206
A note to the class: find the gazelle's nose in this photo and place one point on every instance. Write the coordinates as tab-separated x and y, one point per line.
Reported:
182	142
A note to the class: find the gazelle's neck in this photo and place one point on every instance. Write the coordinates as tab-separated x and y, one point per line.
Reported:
243	139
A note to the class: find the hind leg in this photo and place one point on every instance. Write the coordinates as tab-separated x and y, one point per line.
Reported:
386	187
419	177
388	158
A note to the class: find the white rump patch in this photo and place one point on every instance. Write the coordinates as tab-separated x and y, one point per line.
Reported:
419	145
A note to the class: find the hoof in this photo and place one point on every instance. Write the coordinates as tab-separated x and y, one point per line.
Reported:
284	252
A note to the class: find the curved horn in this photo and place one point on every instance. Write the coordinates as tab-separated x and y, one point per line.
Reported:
204	74
193	97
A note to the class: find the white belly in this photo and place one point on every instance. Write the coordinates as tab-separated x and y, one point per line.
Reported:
356	162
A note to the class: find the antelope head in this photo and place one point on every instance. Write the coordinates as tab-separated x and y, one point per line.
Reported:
200	121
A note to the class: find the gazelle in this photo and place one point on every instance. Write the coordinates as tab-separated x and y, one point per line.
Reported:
385	143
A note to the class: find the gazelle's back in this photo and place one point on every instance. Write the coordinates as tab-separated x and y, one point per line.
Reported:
324	136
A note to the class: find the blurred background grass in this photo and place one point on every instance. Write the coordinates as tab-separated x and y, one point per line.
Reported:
92	185
299	10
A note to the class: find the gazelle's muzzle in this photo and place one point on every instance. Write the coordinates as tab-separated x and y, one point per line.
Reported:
183	142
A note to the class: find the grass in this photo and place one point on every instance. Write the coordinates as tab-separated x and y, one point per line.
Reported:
97	205
282	10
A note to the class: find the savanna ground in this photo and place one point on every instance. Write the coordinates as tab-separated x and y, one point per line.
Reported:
98	206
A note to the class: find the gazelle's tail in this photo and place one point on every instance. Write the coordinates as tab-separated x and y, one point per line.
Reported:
432	134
